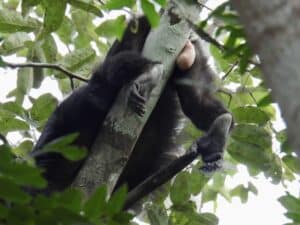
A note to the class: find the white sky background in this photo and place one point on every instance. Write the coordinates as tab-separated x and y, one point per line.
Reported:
263	209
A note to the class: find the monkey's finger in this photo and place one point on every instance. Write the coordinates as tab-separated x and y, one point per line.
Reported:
139	110
137	106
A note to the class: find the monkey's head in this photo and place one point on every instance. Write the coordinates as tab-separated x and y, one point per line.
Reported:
128	65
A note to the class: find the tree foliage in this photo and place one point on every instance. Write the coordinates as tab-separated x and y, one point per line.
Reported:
76	34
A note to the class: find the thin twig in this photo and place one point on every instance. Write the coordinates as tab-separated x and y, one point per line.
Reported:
253	97
226	92
230	70
47	65
205	36
3	139
205	6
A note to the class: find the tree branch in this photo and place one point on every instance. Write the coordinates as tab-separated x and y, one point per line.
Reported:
272	29
46	65
217	133
159	178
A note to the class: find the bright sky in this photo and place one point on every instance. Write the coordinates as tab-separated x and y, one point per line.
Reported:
263	209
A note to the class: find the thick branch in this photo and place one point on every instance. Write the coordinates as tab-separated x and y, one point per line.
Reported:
46	65
273	30
121	128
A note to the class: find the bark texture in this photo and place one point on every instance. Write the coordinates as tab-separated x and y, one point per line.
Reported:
273	30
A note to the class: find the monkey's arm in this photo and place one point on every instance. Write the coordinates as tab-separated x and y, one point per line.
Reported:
195	90
195	87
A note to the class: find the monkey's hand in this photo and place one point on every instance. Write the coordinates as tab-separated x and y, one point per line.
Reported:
142	87
211	146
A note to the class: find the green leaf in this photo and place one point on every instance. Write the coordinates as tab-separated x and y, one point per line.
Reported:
275	169
222	64
23	149
118	4
10	123
290	202
96	203
295	216
66	31
220	9
14	42
209	218
197	181
2	64
265	101
54	14
229	18
292	162
208	194
11	192
13	108
42	108
78	59
27	4
250	114
157	215
241	192
149	10
86	5
112	28
82	40
64	146
244	62
252	188
45	50
116	202
161	2
10	4
12	21
3	211
66	217
83	22
19	173
252	134
248	154
71	199
21	214
178	218
180	192
24	83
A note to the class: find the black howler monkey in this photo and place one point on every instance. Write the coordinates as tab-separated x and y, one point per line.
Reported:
85	109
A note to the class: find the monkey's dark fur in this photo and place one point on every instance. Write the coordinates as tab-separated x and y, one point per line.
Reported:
85	109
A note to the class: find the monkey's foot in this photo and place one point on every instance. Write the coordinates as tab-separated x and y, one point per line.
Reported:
137	100
210	167
211	146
